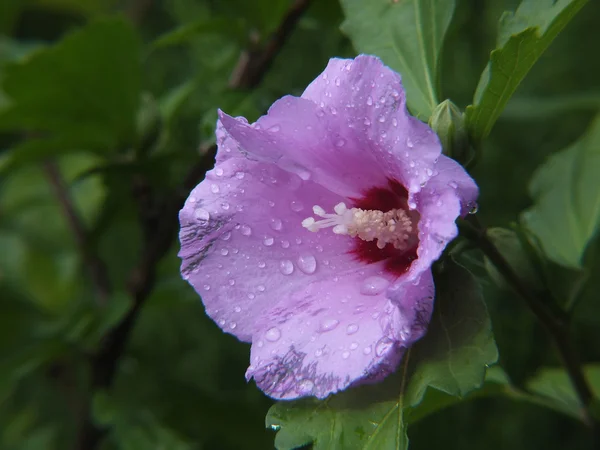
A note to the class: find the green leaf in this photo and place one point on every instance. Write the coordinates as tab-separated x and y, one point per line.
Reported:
522	38
566	193
408	36
87	86
512	248
450	361
555	385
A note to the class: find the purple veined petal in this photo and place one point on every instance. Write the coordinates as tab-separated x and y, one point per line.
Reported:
450	193
371	99
243	246
335	333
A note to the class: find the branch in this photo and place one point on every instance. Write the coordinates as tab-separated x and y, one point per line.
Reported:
92	262
555	323
160	229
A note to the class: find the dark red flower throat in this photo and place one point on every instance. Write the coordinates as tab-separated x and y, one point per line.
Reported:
393	196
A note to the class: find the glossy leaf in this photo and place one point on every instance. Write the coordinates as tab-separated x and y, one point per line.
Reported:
566	192
408	36
522	38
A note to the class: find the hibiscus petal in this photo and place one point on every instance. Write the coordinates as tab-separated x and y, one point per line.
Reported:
330	335
243	247
371	100
450	193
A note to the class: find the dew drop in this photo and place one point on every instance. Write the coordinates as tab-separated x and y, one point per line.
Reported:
305	387
429	172
219	172
395	122
224	252
351	329
409	143
276	224
318	352
225	206
307	264
202	214
453	185
340	142
239	175
262	264
260	288
251	296
354	346
232	325
260	344
382	119
369	100
329	324
367	122
237	309
374	285
296	206
274	128
285	244
383	345
226	236
286	267
231	282
273	334
337	81
367	350
207	287
346	355
214	188
268	241
246	230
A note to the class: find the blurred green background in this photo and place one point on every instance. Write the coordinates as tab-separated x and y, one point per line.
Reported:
107	104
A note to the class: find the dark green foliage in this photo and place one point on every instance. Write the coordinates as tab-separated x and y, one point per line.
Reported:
116	97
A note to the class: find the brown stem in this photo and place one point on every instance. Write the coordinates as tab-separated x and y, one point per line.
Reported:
555	323
93	264
160	231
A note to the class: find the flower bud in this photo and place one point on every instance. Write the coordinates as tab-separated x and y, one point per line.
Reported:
448	122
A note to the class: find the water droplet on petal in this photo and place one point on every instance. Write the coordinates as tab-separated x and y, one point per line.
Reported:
286	267
409	143
318	352
305	387
251	296
374	285
274	128
307	264
453	185
207	287
346	355
273	334
369	100
296	206
268	241
260	288
231	282
367	350
226	236
329	324
225	206
214	188
246	230
354	346
285	244
219	172
381	119
237	309
262	264
224	252
340	142
352	328
202	214
276	224
383	345
239	175
232	325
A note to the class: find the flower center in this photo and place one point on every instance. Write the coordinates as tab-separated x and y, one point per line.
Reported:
391	227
